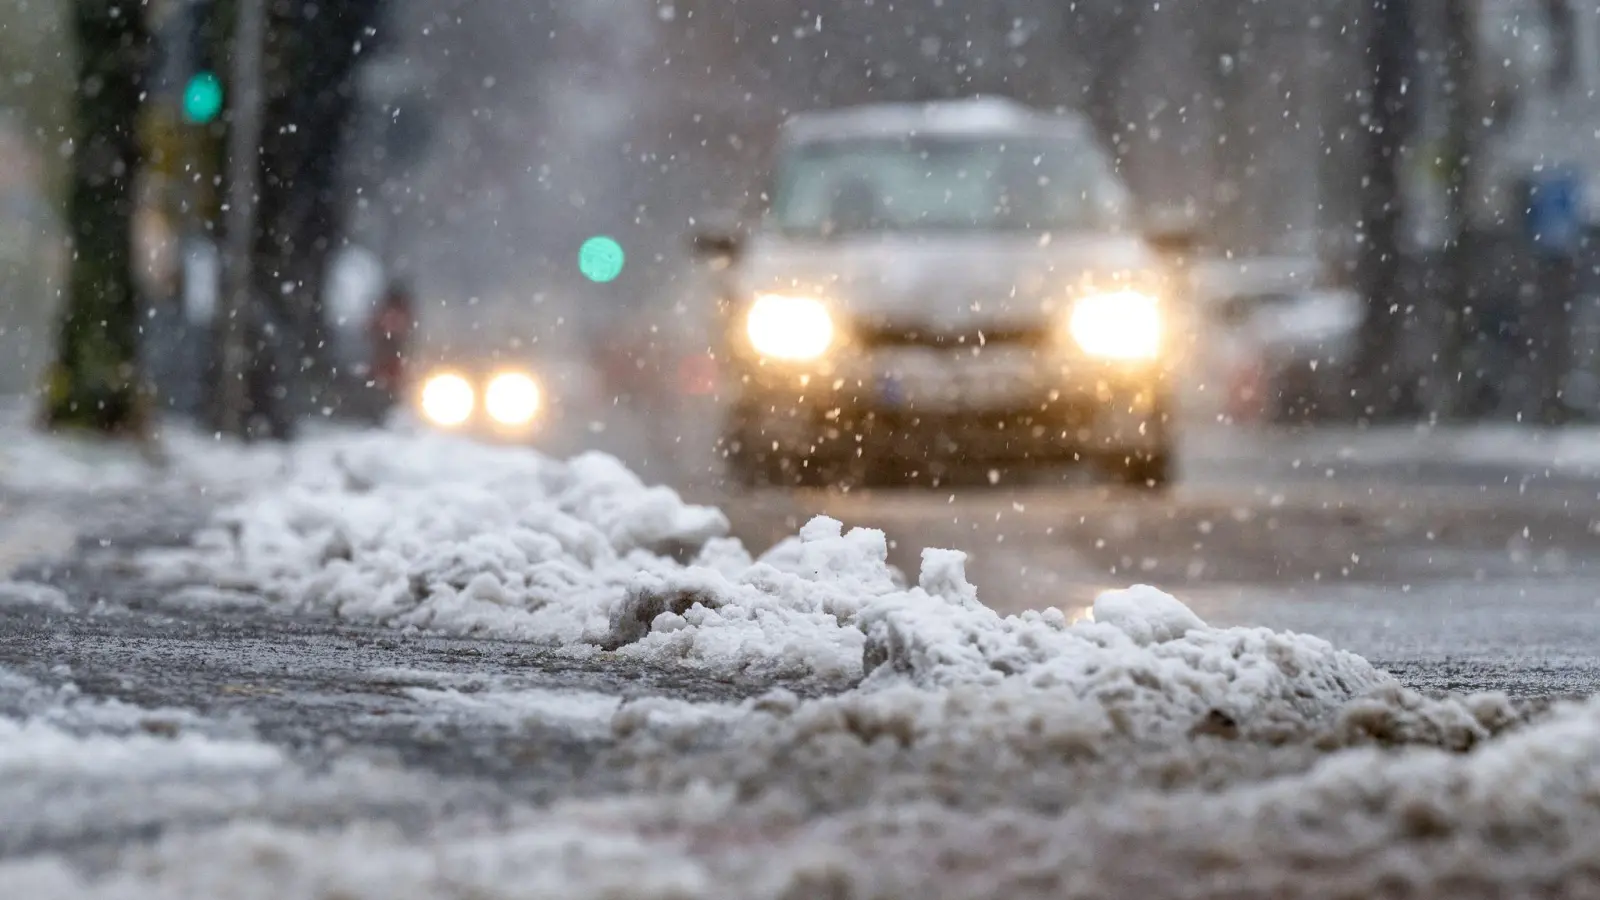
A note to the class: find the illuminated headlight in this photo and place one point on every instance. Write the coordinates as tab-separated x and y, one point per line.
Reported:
795	329
447	400
1122	325
512	399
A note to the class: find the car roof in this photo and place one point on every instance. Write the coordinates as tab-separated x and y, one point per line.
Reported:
977	116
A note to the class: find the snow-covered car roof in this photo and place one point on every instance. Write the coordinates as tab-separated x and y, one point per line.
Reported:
975	116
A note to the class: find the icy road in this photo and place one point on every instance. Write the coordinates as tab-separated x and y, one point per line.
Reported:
396	666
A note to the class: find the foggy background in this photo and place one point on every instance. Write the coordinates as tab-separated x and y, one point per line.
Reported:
495	135
543	124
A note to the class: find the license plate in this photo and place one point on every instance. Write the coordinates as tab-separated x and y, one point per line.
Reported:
955	383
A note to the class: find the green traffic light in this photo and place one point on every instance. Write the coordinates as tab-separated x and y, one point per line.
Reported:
600	259
202	98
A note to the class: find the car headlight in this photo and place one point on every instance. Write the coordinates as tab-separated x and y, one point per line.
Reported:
794	329
448	399
1122	325
512	399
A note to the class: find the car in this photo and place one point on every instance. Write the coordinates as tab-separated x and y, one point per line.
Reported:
1290	348
514	383
489	384
942	286
1309	344
492	401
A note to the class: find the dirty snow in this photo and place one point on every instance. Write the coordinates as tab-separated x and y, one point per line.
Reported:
33	594
1514	818
34	461
82	771
581	557
56	733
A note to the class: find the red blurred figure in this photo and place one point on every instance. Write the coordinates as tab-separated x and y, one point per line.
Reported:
393	323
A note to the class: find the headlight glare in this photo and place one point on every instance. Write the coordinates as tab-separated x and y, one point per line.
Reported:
512	399
1124	325
793	329
448	400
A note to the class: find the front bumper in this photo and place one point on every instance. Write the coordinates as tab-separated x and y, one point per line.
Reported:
1021	405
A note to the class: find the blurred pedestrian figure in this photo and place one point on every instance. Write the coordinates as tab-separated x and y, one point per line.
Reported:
392	328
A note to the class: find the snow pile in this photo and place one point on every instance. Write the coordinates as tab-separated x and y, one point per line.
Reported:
1517	817
77	771
33	460
969	754
455	537
580	556
33	749
69	763
974	709
52	734
585	713
1016	746
1514	818
549	857
1145	662
32	594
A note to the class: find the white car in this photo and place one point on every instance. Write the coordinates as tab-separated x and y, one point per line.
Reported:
937	285
1292	350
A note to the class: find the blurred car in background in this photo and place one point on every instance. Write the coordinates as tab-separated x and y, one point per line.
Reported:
948	285
497	398
1290	352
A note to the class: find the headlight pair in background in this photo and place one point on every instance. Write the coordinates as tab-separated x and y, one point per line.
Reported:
1118	325
509	399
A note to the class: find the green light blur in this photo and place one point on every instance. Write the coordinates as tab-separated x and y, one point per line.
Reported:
600	259
202	99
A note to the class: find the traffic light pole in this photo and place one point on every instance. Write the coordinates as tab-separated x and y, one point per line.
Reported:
236	301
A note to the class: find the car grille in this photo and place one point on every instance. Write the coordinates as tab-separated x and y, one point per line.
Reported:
886	334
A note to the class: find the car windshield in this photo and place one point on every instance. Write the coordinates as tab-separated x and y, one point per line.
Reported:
947	183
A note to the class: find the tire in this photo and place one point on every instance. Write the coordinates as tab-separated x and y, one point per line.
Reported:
1151	472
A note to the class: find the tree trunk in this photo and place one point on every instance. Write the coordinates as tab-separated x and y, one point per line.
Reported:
301	219
95	383
1459	290
1378	387
238	322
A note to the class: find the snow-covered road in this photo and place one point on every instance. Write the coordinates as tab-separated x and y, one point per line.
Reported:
397	666
1471	562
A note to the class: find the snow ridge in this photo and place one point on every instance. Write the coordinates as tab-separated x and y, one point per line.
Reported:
580	556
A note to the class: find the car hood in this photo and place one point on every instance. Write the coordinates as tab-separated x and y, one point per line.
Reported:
944	281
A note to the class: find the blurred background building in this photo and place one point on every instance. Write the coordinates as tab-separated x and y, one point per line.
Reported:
489	138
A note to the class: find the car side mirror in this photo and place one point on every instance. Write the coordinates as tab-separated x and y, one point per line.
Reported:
716	240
